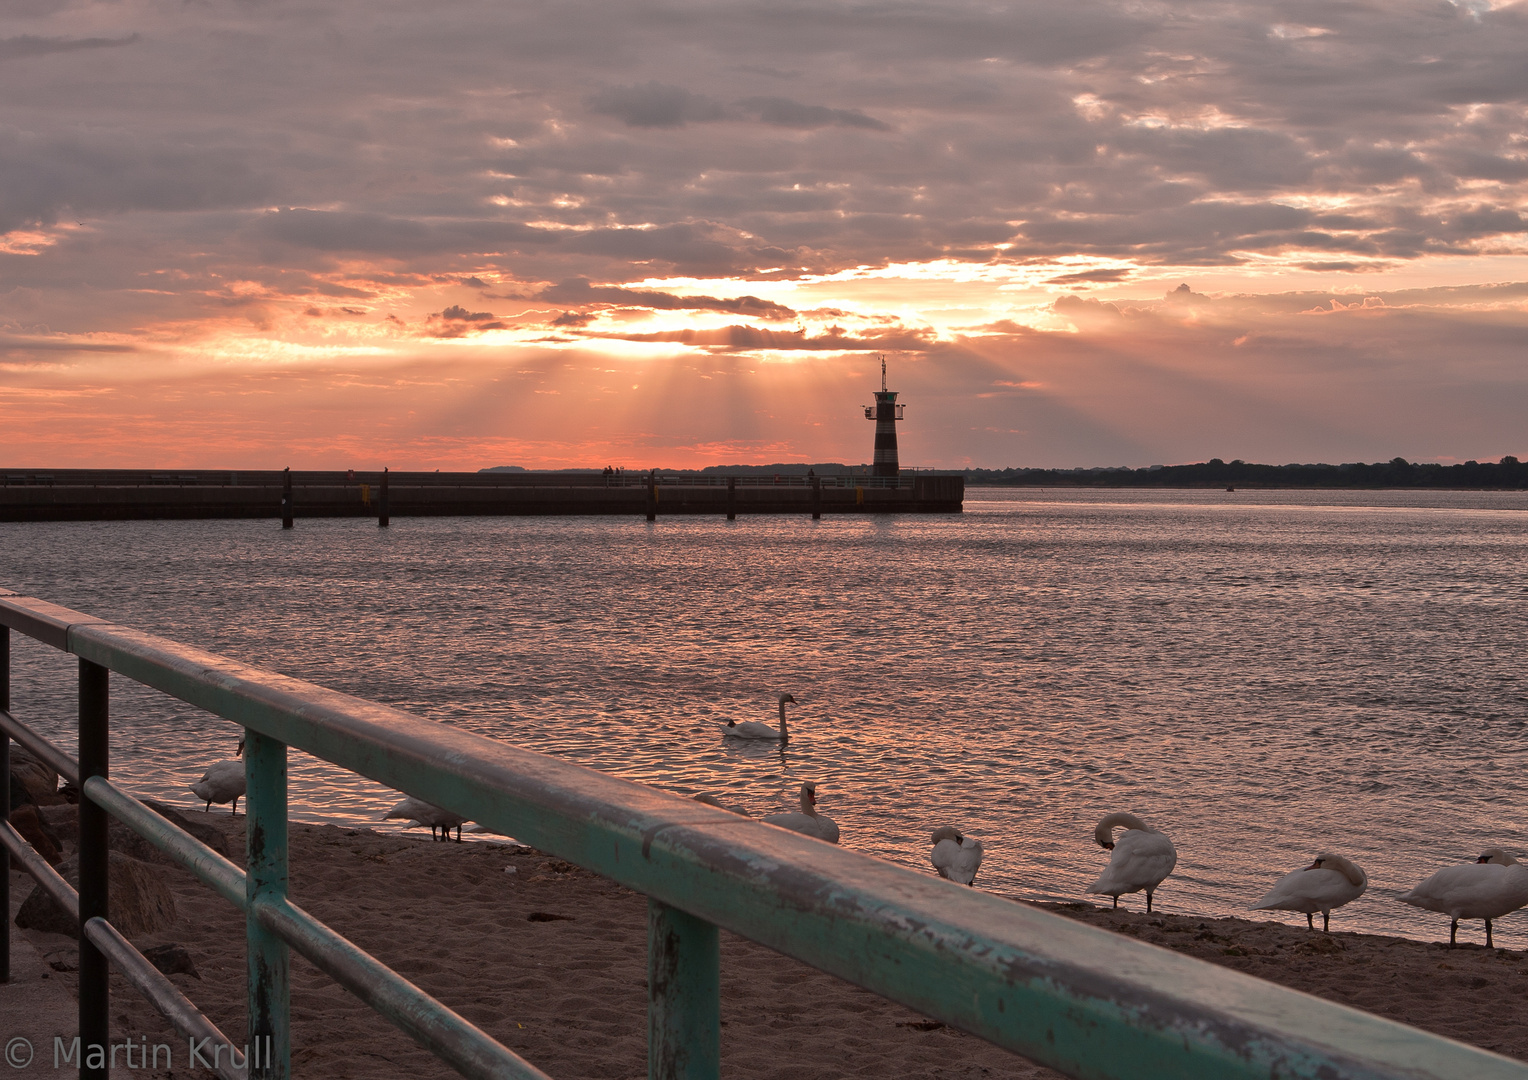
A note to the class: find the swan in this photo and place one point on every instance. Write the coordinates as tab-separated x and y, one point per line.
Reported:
222	782
1488	888
418	812
808	822
1142	858
956	857
712	800
1327	883
752	729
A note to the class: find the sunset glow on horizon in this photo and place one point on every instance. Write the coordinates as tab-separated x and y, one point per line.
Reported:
341	235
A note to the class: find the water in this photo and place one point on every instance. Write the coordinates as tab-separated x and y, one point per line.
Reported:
1263	675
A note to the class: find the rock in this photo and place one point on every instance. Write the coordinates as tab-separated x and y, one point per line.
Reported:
64	823
139	901
204	831
172	960
39	779
34	830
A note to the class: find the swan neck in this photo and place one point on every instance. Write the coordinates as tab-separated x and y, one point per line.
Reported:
1104	834
784	732
806	799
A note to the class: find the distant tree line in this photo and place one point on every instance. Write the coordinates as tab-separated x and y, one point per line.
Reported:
1395	473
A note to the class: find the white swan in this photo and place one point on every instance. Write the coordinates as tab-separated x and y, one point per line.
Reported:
222	782
712	800
418	812
753	729
956	857
808	822
1327	883
1488	888
1142	858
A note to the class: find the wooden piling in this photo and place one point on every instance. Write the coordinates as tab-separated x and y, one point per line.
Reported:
286	498
731	498
383	521
816	498
652	495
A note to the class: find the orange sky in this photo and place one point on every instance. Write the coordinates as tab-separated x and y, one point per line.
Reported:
334	236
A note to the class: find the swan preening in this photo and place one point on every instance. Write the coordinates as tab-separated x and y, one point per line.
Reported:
222	782
418	812
753	729
1142	858
1327	883
1488	888
956	857
808	822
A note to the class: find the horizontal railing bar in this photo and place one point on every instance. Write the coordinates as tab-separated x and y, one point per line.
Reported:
45	751
187	1020
1074	997
37	867
456	1041
46	622
210	867
150	981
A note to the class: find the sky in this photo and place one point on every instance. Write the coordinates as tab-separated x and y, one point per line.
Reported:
267	233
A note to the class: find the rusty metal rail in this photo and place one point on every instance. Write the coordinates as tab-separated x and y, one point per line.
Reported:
1081	1000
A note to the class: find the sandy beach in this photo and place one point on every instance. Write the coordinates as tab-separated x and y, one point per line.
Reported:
551	960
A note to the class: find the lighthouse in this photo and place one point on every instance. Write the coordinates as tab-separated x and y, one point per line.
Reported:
885	412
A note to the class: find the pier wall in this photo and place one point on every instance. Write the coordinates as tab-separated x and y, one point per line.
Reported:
108	495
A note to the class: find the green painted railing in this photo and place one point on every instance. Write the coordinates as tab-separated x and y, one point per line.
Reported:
1081	1000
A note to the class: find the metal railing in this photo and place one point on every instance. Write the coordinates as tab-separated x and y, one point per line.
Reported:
1077	998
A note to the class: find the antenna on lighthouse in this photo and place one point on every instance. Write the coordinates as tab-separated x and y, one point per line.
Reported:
883	372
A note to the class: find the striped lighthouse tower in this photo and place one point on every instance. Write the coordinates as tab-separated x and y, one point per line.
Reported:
885	412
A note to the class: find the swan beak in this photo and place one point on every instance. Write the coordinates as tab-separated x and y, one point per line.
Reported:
1483	858
1315	865
1108	847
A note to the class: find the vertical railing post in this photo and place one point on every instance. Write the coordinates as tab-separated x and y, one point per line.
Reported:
265	804
383	520
684	1017
95	867
5	805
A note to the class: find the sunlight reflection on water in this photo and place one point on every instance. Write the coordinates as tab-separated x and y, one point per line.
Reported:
1261	674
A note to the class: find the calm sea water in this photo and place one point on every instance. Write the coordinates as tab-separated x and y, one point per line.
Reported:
1263	675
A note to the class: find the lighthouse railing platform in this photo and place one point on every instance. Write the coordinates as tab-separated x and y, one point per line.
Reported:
1077	998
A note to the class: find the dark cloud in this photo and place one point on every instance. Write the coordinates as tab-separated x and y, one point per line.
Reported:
456	321
578	291
17	48
654	105
1115	274
753	337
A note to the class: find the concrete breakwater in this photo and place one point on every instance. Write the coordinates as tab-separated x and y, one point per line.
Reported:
132	494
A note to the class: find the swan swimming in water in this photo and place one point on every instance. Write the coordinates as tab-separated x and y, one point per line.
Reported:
1142	858
808	822
418	812
712	800
1488	888
1327	883
222	782
753	729
956	857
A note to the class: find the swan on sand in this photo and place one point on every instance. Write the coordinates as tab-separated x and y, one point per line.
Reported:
808	822
1327	883
1142	857
753	729
1488	888
956	857
222	782
418	812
